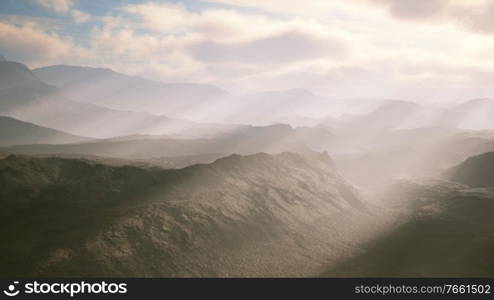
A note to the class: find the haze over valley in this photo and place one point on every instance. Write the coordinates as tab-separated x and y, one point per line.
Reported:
244	139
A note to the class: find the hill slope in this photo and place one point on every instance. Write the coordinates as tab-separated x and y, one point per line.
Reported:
259	215
14	74
15	132
476	171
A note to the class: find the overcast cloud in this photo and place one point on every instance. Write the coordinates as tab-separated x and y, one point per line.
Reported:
422	50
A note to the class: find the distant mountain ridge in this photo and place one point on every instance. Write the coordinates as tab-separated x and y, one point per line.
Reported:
473	114
248	140
16	132
115	90
67	75
193	101
294	106
25	97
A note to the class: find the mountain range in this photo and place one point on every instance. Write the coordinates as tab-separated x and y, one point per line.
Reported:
108	175
115	90
141	104
23	96
250	140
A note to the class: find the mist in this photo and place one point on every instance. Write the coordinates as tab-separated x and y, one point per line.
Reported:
246	139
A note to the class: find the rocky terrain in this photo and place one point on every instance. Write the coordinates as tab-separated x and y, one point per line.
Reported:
269	215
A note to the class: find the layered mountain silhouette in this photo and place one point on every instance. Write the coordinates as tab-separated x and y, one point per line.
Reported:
394	115
16	132
249	140
476	114
25	97
473	114
112	89
186	100
238	216
298	107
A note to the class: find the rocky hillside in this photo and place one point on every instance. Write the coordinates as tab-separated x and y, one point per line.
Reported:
269	215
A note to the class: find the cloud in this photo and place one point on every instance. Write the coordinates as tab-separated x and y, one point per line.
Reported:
472	15
128	51
163	17
58	6
469	15
341	48
79	16
414	10
170	42
290	46
225	35
65	7
31	45
225	25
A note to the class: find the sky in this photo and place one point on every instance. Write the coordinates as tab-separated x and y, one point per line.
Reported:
422	50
